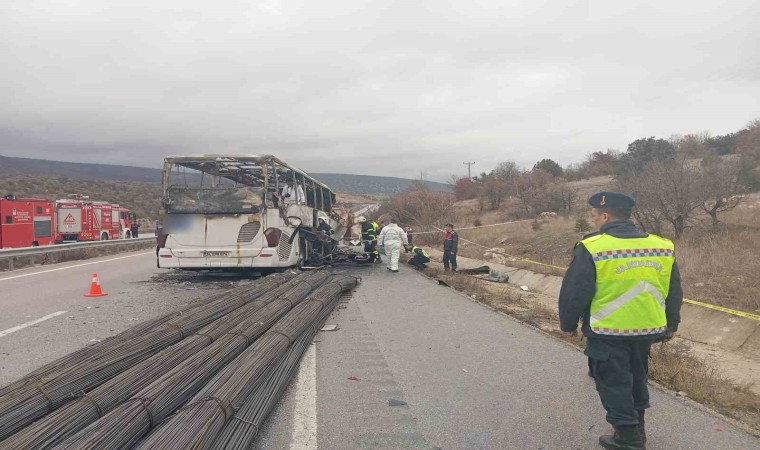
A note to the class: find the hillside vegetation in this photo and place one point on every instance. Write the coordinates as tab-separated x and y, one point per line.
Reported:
352	184
142	198
697	190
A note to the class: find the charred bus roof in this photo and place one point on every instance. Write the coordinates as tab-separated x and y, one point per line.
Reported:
250	170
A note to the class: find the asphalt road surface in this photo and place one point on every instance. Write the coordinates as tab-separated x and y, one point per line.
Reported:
412	365
471	378
45	314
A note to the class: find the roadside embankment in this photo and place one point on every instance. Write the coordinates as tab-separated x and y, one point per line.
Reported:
699	324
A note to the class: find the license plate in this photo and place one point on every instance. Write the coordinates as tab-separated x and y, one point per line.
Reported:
215	254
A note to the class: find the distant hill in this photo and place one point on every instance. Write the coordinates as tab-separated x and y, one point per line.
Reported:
351	184
373	185
10	166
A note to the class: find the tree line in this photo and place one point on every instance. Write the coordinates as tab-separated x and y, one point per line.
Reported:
675	182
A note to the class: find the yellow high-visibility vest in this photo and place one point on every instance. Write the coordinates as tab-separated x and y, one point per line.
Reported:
424	253
632	283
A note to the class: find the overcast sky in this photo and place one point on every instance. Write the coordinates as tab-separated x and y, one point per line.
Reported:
370	86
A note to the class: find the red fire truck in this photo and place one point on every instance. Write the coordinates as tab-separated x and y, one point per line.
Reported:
81	219
26	222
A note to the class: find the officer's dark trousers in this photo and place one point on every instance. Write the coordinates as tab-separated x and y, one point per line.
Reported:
419	261
449	260
620	369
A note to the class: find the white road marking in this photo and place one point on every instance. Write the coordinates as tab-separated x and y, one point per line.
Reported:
75	265
304	436
29	324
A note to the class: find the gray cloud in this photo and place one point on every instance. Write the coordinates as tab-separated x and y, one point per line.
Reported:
360	86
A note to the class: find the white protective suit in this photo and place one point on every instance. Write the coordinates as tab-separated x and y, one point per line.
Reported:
392	237
293	194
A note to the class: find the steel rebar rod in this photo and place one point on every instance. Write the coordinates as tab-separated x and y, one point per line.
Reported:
133	419
198	424
240	431
22	406
77	414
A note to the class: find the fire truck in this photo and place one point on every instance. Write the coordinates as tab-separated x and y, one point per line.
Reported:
81	219
26	222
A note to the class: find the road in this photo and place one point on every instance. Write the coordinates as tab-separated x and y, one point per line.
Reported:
472	379
136	289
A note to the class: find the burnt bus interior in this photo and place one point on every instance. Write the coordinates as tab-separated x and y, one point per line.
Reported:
211	184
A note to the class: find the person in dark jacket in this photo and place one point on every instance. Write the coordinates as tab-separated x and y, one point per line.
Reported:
419	257
369	237
625	286
450	248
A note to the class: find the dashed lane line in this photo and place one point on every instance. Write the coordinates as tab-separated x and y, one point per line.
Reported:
30	323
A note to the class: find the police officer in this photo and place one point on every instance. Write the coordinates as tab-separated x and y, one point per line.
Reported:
626	287
450	247
419	257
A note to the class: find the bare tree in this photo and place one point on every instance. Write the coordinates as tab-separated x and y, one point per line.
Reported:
667	190
723	188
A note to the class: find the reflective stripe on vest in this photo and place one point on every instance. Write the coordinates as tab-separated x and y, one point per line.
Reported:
632	282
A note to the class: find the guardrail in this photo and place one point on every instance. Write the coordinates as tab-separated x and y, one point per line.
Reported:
10	254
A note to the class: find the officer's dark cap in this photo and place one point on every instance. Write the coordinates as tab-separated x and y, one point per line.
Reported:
450	225
611	200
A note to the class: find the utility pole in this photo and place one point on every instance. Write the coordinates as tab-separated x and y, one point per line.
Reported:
469	169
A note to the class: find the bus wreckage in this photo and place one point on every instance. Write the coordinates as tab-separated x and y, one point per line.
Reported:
244	212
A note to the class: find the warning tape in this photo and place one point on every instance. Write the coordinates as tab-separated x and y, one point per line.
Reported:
734	312
724	309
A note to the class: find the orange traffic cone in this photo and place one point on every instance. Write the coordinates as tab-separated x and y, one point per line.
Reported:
95	289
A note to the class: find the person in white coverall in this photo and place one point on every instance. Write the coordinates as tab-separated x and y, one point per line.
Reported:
292	193
392	237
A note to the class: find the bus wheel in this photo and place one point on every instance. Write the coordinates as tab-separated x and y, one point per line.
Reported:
104	237
35	244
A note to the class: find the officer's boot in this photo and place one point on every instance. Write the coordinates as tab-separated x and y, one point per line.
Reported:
642	430
625	438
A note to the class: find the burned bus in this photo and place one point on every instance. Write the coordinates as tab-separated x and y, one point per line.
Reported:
243	212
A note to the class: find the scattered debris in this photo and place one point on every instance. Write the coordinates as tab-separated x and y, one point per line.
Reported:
524	288
394	402
475	271
465	370
353	379
333	327
681	394
443	283
499	277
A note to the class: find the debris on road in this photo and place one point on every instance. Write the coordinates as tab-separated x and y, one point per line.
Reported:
395	402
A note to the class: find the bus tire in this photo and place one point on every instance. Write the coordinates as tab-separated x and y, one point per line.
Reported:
104	236
35	244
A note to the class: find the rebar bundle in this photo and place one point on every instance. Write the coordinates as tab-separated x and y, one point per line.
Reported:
125	425
77	414
61	383
85	352
241	429
197	425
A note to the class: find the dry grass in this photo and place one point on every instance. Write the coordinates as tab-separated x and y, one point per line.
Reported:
716	267
672	365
